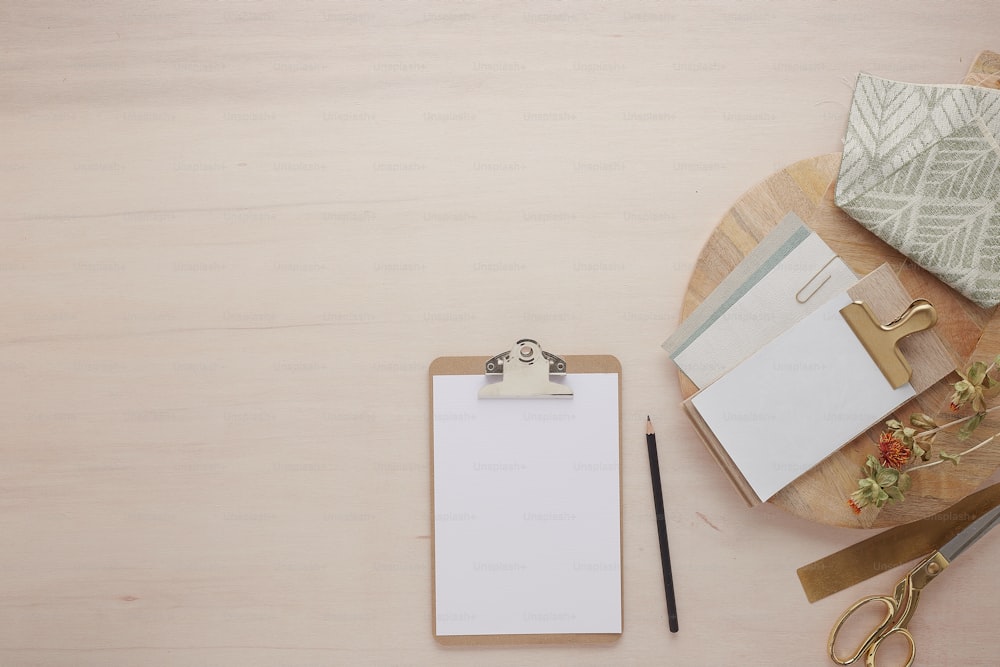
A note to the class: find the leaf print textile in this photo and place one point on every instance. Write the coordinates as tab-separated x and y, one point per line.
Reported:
921	170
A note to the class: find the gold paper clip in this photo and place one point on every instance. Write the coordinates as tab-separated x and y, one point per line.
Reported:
798	295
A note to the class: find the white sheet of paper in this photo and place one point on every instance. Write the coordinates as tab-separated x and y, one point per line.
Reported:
798	399
527	518
768	308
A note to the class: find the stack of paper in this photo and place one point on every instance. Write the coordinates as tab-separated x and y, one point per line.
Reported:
791	273
785	381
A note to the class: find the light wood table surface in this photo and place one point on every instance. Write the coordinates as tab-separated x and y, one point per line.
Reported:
233	237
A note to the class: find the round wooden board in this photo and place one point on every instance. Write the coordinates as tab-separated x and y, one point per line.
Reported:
970	332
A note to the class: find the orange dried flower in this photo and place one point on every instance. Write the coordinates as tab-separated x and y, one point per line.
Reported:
892	452
854	506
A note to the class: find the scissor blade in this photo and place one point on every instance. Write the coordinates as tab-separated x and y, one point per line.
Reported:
965	539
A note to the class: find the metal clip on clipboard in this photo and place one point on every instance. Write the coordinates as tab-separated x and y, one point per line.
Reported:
524	372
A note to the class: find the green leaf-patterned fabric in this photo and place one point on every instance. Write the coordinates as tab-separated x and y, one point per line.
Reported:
921	170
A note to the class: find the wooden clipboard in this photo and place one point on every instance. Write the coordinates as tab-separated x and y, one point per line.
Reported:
481	594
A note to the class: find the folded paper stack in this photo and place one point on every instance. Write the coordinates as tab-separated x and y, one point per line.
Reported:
809	390
769	345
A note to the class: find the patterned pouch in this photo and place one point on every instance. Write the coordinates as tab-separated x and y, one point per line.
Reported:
921	170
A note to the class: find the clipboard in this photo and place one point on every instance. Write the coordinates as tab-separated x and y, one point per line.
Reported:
819	385
526	498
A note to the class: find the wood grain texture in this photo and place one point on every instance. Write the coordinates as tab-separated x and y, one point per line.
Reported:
233	235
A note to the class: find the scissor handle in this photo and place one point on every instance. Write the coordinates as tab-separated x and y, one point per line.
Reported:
868	646
870	656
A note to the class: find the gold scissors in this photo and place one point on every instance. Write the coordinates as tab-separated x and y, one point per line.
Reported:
903	602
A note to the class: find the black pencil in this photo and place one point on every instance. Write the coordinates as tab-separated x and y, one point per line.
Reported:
661	525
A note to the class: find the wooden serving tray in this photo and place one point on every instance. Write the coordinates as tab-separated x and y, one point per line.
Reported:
970	332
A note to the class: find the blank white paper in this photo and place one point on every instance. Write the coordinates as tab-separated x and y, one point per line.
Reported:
798	399
527	516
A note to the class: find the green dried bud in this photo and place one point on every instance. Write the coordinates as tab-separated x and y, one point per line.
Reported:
922	421
868	486
904	482
977	372
872	465
887	477
894	493
971	425
978	400
954	458
963	392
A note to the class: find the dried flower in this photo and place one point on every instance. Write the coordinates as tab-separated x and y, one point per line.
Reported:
880	485
975	386
964	392
892	452
884	477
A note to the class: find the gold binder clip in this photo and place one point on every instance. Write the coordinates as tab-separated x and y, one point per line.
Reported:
525	372
881	341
